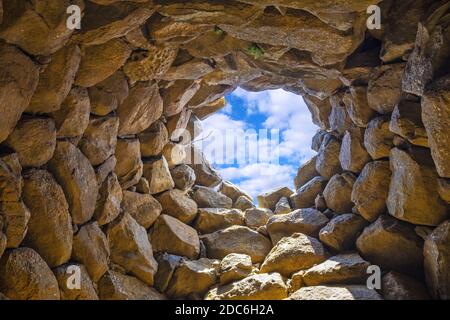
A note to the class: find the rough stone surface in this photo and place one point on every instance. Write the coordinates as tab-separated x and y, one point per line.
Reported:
140	109
342	231
113	111
91	248
172	236
437	257
109	200
256	287
158	175
131	249
193	278
385	88
270	199
397	286
129	167
116	286
183	176
10	177
306	195
353	155
19	77
413	194
327	163
75	174
25	276
294	253
86	290
406	121
435	116
235	267
392	245
56	80
174	203
307	221
212	219
355	292
209	198
257	217
306	172
348	268
50	224
338	192
107	95
34	141
378	138
232	191
142	207
100	139
73	117
15	220
371	189
237	239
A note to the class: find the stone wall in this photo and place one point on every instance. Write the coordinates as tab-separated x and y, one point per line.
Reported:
93	180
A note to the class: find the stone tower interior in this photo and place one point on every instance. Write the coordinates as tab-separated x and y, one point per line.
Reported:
95	180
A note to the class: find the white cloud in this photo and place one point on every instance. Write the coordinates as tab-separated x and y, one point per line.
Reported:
283	111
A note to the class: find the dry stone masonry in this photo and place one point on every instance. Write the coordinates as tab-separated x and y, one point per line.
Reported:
96	176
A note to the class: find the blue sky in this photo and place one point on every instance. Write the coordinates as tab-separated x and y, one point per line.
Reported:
272	110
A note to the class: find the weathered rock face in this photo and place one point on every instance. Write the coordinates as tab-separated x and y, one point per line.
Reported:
392	244
307	221
173	236
117	286
342	231
406	121
50	224
345	268
397	286
100	139
237	239
437	257
435	116
129	167
378	139
270	199
256	287
327	163
34	141
213	219
384	90
75	174
257	217
413	194
371	189
142	207
306	172
352	292
99	156
19	77
208	198
338	192
25	276
91	248
353	155
86	290
305	196
158	176
193	278
235	267
131	249
294	253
